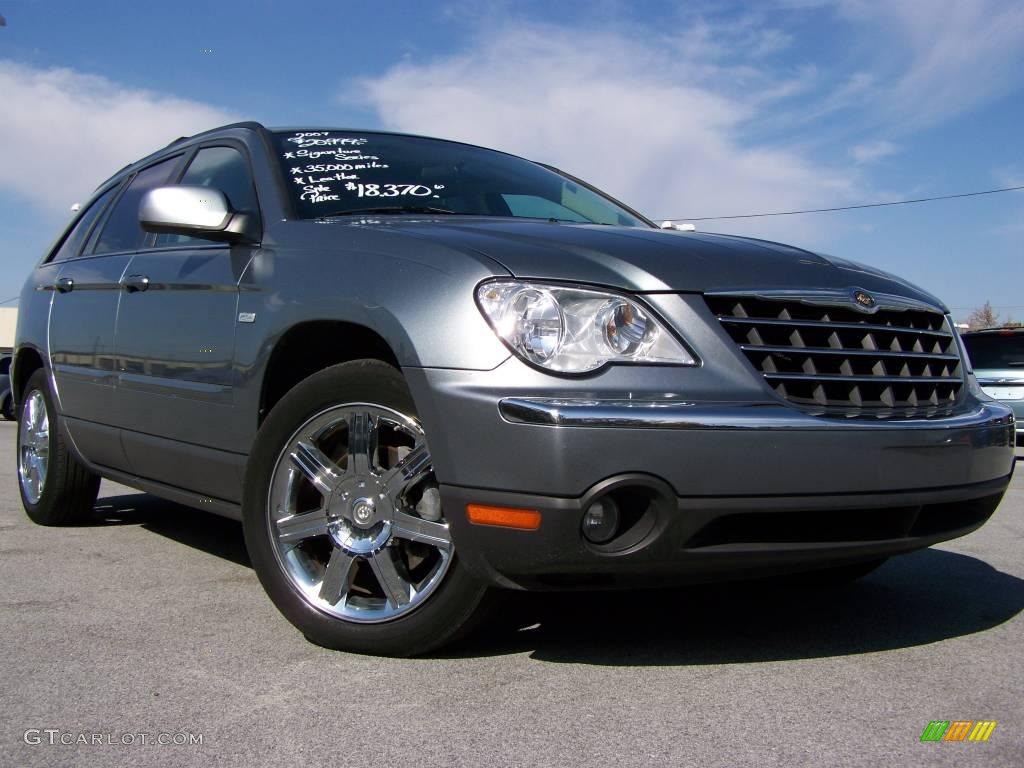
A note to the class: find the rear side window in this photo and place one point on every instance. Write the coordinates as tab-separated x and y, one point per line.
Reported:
122	231
72	244
222	168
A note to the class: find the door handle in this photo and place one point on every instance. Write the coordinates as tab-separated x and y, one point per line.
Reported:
64	285
134	283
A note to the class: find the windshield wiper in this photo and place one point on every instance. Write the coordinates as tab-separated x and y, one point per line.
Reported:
390	209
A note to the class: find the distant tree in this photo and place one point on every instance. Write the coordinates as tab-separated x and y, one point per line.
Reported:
983	317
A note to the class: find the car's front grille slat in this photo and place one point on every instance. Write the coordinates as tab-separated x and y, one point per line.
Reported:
837	350
858	379
832	325
889	363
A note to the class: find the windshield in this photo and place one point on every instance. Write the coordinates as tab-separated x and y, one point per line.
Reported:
339	172
996	350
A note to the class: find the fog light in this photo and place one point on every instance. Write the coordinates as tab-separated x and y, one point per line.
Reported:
601	521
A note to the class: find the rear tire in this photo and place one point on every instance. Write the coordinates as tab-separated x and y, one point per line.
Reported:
7	409
343	523
55	488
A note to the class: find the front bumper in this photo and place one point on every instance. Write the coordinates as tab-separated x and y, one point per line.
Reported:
1017	406
718	488
688	540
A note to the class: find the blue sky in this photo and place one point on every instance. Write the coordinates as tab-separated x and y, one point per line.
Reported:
683	109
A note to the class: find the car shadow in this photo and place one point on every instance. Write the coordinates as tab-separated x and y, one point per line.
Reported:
195	528
915	599
912	600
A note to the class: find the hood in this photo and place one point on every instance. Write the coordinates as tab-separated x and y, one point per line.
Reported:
647	260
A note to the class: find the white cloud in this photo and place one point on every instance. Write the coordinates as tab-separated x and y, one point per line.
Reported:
64	132
935	59
1009	176
872	151
655	121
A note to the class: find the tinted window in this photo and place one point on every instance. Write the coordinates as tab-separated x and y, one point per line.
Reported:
336	173
72	244
221	168
535	207
996	350
122	231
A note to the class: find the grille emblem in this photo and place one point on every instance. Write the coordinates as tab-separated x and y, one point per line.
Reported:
863	299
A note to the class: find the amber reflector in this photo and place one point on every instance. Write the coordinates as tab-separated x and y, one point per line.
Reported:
503	517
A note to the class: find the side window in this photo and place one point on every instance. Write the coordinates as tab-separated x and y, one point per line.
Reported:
122	231
72	244
535	207
222	168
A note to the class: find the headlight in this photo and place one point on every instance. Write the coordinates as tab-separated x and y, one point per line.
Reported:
573	330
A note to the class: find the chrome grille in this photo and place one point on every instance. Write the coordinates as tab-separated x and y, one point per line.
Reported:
893	362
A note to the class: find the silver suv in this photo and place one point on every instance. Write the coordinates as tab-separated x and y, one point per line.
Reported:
421	371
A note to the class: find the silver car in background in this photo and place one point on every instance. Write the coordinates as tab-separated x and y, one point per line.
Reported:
997	355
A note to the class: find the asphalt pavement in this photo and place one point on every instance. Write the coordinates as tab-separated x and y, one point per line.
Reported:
150	626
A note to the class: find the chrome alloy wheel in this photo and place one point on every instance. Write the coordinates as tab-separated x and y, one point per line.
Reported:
33	446
355	515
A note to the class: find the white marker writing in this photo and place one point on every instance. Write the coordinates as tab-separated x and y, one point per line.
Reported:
314	193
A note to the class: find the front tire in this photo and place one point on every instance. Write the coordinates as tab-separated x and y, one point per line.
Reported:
55	488
343	522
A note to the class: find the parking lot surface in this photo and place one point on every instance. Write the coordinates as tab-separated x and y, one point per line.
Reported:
150	626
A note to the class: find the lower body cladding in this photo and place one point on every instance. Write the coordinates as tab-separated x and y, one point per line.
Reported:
657	538
601	492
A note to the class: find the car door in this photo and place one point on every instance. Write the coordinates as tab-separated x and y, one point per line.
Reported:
175	343
88	267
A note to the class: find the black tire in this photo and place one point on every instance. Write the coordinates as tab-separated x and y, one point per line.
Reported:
451	609
7	409
830	578
69	491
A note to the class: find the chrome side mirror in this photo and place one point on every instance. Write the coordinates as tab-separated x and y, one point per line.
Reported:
197	211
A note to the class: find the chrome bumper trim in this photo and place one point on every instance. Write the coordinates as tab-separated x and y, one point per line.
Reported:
652	414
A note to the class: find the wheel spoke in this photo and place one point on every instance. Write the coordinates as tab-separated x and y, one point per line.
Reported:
32	474
316	467
337	576
362	442
396	588
413	528
33	413
296	528
409	471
